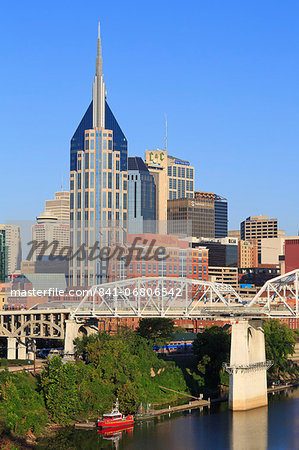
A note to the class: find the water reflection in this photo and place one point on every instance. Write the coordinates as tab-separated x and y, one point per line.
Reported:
115	435
249	429
275	427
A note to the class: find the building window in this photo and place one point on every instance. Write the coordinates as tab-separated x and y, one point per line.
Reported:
169	171
110	161
104	160
91	197
86	160
109	145
109	180
104	144
91	162
91	180
109	199
104	180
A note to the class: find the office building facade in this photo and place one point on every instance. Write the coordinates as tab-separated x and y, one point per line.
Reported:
174	179
141	197
291	254
222	252
49	229
179	259
221	217
257	228
247	254
191	217
224	275
98	184
3	257
59	206
180	178
13	245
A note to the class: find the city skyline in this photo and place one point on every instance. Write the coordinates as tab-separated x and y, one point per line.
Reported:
229	176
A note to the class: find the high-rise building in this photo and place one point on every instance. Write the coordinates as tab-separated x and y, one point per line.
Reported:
14	247
191	217
3	257
156	162
221	217
98	184
174	179
223	252
59	206
180	178
247	254
49	229
141	197
257	228
219	204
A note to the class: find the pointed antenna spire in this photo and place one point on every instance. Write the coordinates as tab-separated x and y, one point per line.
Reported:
62	183
98	89
99	60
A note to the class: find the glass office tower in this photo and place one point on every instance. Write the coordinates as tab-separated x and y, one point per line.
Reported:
141	198
98	185
221	217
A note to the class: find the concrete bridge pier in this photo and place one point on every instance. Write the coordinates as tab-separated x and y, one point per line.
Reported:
248	366
11	348
31	349
74	330
71	333
22	349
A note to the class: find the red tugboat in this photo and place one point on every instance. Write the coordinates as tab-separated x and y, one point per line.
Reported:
115	419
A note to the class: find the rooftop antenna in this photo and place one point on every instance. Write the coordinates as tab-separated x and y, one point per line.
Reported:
165	132
62	183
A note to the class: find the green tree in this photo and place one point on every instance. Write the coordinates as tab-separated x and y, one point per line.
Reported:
159	330
212	348
280	342
59	383
22	408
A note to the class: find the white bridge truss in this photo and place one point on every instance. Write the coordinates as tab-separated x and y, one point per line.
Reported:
279	294
188	298
155	297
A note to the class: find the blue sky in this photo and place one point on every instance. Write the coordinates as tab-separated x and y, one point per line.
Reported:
226	74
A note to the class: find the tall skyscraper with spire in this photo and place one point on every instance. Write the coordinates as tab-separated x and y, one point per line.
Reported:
98	183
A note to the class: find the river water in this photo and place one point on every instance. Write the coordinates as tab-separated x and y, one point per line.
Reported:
272	427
